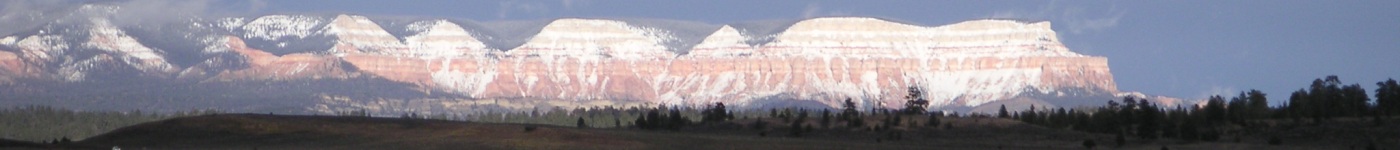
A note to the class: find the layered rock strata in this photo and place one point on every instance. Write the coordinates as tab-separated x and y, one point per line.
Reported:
825	59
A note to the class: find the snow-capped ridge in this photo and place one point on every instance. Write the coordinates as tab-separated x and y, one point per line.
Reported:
726	41
573	37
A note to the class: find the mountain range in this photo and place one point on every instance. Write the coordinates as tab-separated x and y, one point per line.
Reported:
301	63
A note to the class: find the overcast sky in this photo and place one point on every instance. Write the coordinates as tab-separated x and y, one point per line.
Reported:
1187	49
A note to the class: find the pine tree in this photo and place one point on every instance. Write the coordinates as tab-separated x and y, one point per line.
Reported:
1148	125
1388	97
676	120
1298	105
851	115
641	122
1355	100
713	114
581	124
773	112
1237	109
1001	113
1258	104
654	120
915	102
1215	110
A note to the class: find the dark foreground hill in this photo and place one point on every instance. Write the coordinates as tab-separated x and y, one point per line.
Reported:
254	131
257	131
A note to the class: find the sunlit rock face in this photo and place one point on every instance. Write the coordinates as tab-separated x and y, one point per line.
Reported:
823	60
260	65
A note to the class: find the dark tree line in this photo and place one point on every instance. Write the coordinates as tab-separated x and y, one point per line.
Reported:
1324	100
56	125
654	119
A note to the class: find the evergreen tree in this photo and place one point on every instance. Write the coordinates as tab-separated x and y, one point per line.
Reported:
850	115
654	120
1148	121
1388	97
581	124
1001	113
1237	109
1258	104
641	122
1215	110
1324	98
915	102
1127	114
713	114
1299	105
676	120
1355	100
773	112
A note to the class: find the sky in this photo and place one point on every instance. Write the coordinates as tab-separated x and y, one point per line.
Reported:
1188	49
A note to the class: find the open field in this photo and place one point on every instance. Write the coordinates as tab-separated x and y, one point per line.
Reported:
258	131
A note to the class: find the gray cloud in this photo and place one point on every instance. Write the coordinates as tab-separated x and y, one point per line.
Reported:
21	15
24	15
1077	19
812	10
158	12
529	7
570	4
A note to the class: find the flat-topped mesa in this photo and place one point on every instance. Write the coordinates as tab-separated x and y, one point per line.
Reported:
960	65
593	38
825	60
872	37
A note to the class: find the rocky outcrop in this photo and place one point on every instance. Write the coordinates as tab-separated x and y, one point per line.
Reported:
11	67
265	66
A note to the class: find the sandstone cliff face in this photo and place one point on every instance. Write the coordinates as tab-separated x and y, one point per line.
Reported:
825	60
265	66
11	67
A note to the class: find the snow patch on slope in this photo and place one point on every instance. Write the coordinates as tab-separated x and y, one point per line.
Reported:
273	27
596	39
441	38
